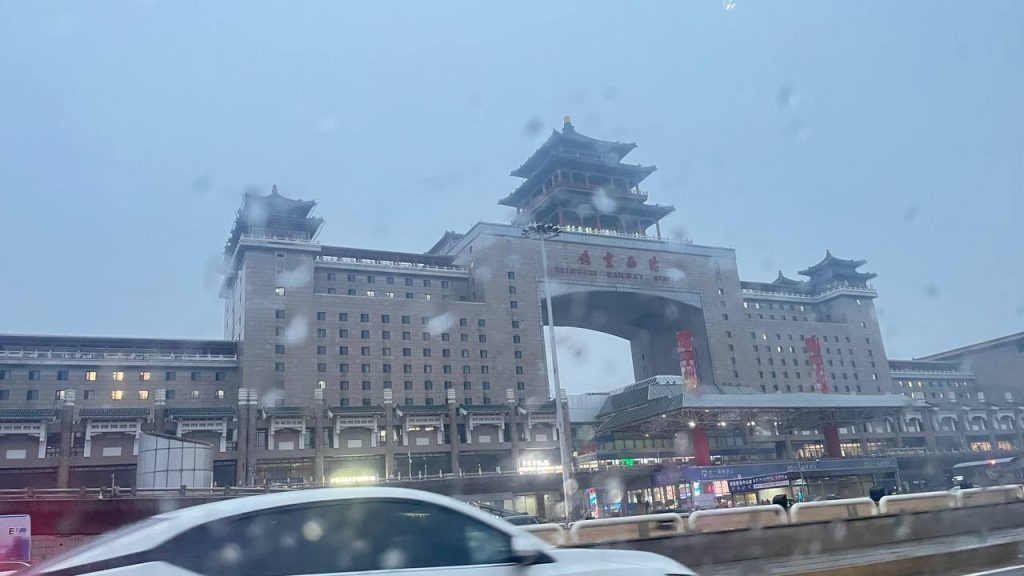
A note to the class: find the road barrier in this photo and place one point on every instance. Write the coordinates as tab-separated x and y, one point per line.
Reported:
737	518
993	495
550	533
924	501
832	510
626	528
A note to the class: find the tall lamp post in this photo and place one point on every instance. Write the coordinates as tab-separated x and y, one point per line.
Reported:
546	232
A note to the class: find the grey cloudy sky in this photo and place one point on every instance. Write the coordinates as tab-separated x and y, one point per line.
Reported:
892	132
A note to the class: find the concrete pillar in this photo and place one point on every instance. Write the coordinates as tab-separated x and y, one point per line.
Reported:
42	440
67	421
224	435
318	436
159	410
87	452
701	448
928	426
993	422
389	434
241	448
454	433
833	448
138	435
898	429
250	447
513	423
566	425
375	436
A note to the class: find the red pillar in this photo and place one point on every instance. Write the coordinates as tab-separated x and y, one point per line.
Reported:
832	447
701	449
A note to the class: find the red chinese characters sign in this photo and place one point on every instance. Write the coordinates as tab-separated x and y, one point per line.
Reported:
817	362
626	267
687	364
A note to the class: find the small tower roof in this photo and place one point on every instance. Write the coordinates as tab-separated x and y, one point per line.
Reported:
571	141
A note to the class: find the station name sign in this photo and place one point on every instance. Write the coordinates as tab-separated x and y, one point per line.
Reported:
758	482
614	267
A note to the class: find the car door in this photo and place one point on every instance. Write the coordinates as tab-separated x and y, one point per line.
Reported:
380	536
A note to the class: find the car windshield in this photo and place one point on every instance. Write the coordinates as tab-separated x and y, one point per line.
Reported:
740	264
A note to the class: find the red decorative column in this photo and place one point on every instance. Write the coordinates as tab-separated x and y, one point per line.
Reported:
832	447
701	449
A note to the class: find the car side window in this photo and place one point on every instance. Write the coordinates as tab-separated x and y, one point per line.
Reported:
340	536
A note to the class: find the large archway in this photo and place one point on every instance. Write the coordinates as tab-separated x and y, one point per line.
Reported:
648	321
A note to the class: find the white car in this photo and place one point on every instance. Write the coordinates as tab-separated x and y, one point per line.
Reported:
340	531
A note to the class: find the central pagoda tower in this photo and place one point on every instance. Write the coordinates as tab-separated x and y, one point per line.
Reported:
575	180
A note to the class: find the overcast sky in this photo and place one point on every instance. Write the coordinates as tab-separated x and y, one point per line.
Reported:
888	131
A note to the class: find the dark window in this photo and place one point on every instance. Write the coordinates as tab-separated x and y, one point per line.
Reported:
321	332
343	333
278	366
467	385
385	318
406	320
407	385
520	385
321	367
278	348
321	349
321	316
364	317
344	384
218	376
279	313
5	394
343	316
196	376
428	385
32	395
169	394
515	324
366	384
516	339
170	376
513	304
364	334
62	374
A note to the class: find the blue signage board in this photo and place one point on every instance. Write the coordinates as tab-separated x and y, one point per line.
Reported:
758	482
677	474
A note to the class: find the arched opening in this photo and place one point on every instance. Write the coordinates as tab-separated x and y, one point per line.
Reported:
649	322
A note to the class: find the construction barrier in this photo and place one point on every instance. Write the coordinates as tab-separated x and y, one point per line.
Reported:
993	495
832	510
737	518
550	533
925	501
626	528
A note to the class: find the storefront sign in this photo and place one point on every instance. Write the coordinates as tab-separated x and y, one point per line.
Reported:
758	483
676	474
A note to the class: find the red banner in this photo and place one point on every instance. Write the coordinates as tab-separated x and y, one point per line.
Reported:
817	363
687	364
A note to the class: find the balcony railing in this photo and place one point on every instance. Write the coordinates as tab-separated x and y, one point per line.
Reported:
829	289
260	234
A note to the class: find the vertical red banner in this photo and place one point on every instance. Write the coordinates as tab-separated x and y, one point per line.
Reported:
687	364
817	363
701	446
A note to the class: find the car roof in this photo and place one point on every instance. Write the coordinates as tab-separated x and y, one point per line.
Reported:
158	529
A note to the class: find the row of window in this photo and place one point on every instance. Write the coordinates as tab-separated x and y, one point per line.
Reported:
118	375
427	385
345	368
411	402
390	280
932	383
824	339
386	319
406	352
814	388
115	395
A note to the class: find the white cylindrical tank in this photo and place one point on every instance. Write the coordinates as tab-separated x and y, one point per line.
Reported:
173	462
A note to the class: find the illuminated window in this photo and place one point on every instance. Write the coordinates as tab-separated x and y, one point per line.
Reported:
117	394
60	394
279	291
371	293
143	394
219	394
144	376
194	395
118	376
427	296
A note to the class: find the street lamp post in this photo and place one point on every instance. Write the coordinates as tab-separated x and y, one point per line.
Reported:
546	232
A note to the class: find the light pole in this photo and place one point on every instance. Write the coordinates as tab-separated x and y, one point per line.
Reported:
546	232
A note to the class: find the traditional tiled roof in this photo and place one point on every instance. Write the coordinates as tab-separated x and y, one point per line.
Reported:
339	410
286	411
113	413
27	414
186	412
